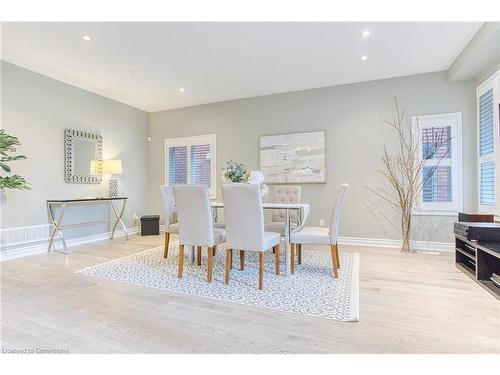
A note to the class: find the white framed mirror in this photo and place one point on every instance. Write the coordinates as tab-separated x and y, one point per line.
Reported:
82	157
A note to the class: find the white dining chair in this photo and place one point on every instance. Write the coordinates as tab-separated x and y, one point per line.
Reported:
244	218
196	227
171	225
283	194
322	235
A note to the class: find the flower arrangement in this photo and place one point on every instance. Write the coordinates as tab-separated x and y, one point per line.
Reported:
235	172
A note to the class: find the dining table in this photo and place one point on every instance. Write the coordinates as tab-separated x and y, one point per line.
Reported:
302	210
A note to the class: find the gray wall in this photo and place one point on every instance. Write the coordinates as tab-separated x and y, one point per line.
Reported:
354	139
37	109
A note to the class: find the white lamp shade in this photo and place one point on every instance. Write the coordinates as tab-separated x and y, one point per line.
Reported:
112	167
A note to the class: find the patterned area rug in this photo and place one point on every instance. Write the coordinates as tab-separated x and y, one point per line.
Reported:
311	291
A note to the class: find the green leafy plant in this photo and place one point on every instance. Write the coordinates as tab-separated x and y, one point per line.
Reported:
7	148
235	172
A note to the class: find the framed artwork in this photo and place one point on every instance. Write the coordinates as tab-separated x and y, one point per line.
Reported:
297	158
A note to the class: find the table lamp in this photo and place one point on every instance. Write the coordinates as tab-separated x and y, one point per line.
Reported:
113	168
96	167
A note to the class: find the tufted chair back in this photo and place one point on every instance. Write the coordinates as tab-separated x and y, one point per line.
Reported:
168	204
286	194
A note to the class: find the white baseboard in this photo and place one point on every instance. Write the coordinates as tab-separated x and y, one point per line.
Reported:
31	247
396	244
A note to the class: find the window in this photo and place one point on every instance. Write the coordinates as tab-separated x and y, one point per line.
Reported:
488	146
191	160
440	143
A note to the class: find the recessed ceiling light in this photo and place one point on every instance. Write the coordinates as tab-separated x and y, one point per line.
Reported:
364	58
181	89
365	33
86	38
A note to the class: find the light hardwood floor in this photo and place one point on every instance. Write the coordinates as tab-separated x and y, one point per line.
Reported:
408	304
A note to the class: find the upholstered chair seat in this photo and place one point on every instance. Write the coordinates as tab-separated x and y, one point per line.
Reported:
284	194
279	226
173	228
311	235
271	239
219	236
321	235
244	218
195	222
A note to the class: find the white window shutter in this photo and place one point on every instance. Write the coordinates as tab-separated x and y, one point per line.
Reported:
488	144
439	138
200	164
191	160
486	149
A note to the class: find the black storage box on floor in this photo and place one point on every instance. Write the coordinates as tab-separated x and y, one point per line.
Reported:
150	225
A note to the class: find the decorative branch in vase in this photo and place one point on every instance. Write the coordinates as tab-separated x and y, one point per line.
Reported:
7	146
403	169
236	173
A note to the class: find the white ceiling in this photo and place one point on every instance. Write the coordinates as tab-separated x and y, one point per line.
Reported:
145	64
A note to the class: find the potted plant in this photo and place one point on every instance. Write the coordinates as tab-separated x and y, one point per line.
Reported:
402	171
7	148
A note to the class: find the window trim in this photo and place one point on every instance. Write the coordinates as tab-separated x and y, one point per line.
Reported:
189	141
489	83
456	162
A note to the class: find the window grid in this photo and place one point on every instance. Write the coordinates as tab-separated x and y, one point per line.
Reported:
177	165
191	160
439	139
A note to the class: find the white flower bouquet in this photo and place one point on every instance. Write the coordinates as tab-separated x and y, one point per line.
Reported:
237	173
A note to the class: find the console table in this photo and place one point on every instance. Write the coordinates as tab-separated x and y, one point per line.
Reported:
53	204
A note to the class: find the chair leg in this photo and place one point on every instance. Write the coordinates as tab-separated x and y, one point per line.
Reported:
198	255
337	255
277	259
292	258
261	270
209	266
334	260
242	260
181	260
229	254
299	252
167	240
231	259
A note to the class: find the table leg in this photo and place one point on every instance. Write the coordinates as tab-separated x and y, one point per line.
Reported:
191	254
119	219
57	227
214	214
287	241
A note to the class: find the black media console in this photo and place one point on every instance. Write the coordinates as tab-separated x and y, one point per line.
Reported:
480	261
